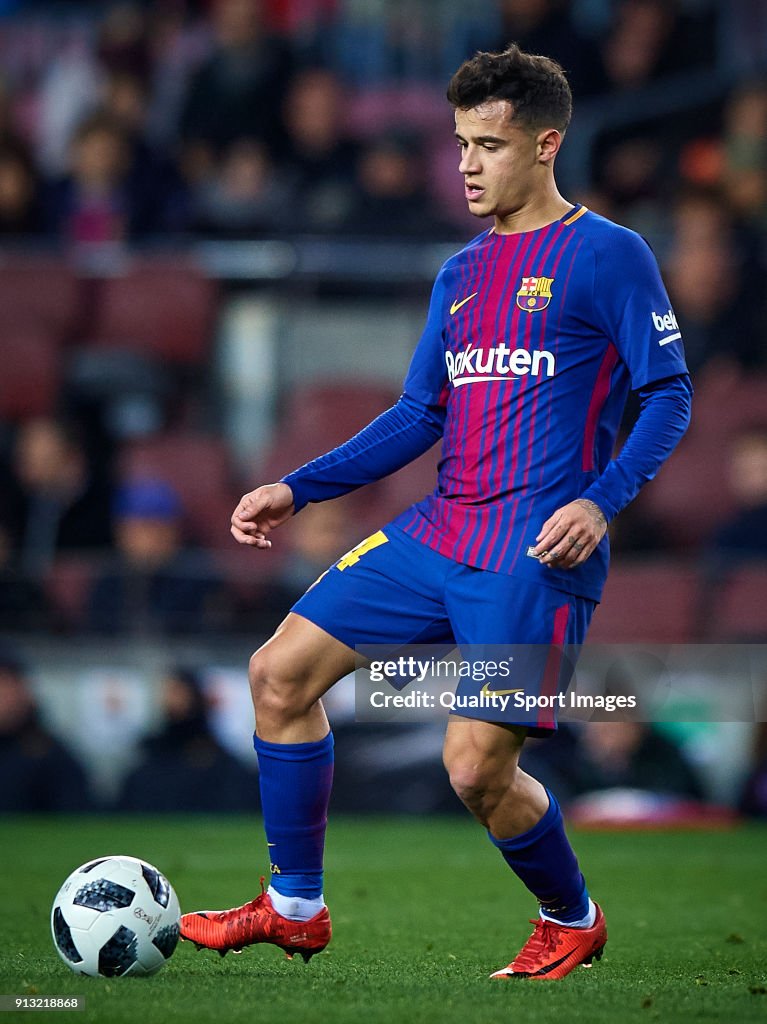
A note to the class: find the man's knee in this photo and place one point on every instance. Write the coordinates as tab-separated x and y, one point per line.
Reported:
277	692
469	783
474	782
479	780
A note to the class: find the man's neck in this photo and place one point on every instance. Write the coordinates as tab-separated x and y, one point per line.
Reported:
539	212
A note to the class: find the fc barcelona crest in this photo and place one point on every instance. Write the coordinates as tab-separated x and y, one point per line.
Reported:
535	293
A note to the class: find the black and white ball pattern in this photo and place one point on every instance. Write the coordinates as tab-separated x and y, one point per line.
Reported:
117	916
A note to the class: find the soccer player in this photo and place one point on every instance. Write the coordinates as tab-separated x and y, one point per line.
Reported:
535	333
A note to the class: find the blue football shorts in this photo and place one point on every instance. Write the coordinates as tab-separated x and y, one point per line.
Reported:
393	591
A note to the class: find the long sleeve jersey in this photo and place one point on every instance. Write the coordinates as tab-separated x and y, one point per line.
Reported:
531	345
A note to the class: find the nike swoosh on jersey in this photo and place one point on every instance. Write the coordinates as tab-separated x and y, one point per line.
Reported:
457	305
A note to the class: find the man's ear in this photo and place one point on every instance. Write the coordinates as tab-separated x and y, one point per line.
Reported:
548	143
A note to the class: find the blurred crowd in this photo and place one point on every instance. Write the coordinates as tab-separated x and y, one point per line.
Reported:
179	766
622	772
134	122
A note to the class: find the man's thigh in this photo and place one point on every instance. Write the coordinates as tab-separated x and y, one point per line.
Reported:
387	590
522	640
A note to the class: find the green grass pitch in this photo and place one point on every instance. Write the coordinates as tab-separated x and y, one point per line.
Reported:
422	912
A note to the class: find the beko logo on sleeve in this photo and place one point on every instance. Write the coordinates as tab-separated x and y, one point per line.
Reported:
666	322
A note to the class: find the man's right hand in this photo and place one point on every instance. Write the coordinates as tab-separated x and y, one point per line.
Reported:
259	512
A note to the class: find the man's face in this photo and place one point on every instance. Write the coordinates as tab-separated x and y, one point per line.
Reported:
499	159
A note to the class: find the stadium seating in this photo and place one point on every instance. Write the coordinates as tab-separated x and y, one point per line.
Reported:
738	610
30	358
646	602
160	306
326	413
690	498
40	292
316	418
726	401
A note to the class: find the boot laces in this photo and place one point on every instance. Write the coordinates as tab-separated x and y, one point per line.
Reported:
542	942
239	922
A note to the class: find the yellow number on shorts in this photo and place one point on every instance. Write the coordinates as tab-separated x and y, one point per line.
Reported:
352	557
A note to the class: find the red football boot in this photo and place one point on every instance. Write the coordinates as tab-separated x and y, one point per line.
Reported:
553	950
256	921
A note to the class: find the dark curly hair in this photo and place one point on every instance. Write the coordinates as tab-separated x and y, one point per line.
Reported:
535	86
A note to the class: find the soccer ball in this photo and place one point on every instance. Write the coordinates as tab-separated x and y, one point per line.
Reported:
114	917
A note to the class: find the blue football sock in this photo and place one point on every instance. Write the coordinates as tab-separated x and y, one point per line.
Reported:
295	780
544	860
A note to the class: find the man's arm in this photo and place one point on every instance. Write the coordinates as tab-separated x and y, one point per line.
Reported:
395	438
628	295
391	441
571	534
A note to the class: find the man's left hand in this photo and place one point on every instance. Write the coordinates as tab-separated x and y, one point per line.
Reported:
570	535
